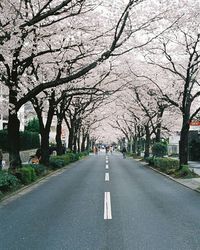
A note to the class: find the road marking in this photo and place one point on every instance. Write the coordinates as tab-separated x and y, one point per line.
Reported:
107	206
107	177
107	167
106	161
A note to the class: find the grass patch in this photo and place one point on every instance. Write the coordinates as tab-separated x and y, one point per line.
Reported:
184	173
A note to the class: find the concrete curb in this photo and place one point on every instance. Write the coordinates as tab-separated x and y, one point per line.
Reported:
168	176
35	183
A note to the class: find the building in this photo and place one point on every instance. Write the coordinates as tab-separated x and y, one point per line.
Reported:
4	109
194	142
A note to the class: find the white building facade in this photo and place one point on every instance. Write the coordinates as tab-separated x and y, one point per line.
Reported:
4	107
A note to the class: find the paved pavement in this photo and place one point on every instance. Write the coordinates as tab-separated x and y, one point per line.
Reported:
195	166
102	204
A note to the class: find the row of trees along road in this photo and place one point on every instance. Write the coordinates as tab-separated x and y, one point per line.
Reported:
49	44
52	43
165	79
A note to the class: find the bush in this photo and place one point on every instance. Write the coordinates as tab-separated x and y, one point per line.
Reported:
150	160
56	163
60	161
185	172
166	164
4	140
26	174
28	140
159	149
40	169
8	181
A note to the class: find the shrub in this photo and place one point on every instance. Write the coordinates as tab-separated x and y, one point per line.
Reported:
166	163
28	140
185	172
40	169
60	161
26	174
56	163
8	181
150	160
159	149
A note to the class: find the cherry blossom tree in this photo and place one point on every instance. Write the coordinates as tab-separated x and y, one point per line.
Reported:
33	36
180	67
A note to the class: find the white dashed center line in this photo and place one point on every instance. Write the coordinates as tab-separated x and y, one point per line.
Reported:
107	206
107	177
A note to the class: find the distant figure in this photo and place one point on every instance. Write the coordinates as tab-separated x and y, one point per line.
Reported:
107	149
111	149
124	152
1	159
95	150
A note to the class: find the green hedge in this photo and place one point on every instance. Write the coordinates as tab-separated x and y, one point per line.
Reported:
150	160
28	140
26	174
40	169
60	161
8	181
159	149
166	163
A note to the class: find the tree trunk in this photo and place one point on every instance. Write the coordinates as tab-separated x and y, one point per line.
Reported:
158	133
147	141
45	147
183	144
58	138
70	139
79	143
131	144
83	143
88	143
14	140
74	146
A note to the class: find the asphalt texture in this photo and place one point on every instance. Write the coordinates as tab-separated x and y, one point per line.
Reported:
66	211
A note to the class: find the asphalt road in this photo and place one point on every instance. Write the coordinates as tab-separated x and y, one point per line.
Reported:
142	210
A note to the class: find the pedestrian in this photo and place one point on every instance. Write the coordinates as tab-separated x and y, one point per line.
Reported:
124	152
1	158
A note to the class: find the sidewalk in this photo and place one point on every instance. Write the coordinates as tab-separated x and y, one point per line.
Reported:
195	166
193	183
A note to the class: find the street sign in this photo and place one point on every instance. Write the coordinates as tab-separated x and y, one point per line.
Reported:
195	123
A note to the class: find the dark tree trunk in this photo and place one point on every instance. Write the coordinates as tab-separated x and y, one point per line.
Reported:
74	146
158	133
45	129
70	139
79	143
183	144
58	137
88	143
147	141
45	147
14	140
83	143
